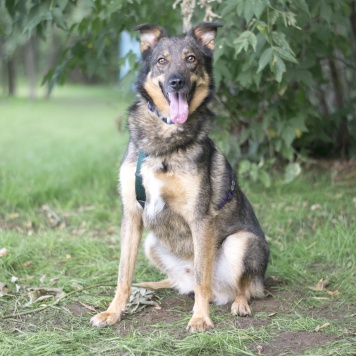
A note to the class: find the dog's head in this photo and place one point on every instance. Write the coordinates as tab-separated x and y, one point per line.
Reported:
176	72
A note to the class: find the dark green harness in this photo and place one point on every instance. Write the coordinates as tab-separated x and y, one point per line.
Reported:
140	190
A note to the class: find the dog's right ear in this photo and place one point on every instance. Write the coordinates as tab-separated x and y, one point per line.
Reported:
205	33
150	35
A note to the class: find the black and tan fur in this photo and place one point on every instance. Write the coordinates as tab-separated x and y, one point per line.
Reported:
217	252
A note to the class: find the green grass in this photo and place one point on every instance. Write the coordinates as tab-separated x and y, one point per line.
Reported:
64	153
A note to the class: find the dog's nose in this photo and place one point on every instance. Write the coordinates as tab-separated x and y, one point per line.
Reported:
176	82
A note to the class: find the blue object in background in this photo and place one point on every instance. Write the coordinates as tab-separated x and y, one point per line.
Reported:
127	44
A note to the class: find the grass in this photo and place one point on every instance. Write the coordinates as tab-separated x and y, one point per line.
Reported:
59	218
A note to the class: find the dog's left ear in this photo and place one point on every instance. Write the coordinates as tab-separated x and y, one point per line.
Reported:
205	33
150	35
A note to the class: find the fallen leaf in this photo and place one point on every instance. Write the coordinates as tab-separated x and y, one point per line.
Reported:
12	216
27	263
321	285
272	314
319	327
68	256
52	216
315	206
53	280
42	293
333	293
28	224
111	230
140	298
3	251
3	289
90	307
348	332
259	349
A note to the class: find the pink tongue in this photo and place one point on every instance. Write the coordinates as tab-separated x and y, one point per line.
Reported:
178	108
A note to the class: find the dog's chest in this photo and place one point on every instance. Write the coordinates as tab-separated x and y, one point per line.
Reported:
154	187
169	192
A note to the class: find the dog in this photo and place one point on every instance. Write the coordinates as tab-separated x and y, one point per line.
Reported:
203	232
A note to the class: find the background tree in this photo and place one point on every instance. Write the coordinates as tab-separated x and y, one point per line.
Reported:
286	79
285	70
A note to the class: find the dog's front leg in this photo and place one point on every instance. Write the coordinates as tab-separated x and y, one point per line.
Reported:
131	230
204	253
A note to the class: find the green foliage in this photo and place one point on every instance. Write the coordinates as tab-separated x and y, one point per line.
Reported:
284	72
92	28
93	37
272	75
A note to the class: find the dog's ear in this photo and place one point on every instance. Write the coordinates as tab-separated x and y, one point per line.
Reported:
150	35
205	33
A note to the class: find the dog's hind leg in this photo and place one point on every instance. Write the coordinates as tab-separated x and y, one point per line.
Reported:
163	284
247	287
240	305
239	271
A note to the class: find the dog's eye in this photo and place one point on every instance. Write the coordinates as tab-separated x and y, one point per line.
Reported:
191	59
162	61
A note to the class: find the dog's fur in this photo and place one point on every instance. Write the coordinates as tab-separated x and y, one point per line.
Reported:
205	240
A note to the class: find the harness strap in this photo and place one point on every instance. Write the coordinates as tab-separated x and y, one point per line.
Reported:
139	188
229	194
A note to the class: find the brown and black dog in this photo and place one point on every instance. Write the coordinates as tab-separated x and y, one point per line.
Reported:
203	232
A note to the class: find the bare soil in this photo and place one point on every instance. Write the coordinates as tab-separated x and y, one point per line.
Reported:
174	307
294	343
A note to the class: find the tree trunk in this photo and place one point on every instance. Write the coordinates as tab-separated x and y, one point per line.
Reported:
31	67
353	18
11	76
342	143
3	69
51	59
353	46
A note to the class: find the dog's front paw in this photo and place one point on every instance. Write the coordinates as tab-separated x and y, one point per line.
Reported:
104	319
240	307
199	324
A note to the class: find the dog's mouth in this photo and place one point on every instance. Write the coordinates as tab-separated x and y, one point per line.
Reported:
178	105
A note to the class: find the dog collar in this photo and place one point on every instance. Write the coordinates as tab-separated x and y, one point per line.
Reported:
153	109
